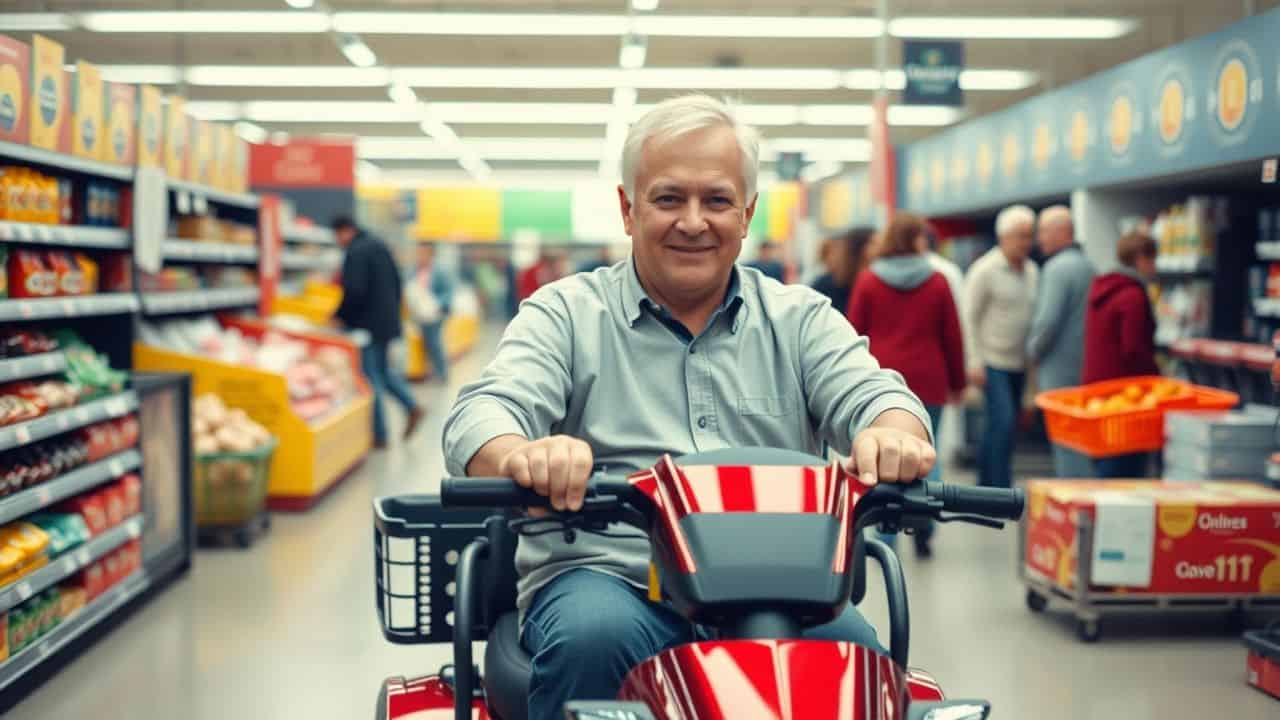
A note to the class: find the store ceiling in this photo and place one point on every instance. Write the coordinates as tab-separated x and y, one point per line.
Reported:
445	69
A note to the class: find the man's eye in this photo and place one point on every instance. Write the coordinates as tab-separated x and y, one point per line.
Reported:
667	199
720	202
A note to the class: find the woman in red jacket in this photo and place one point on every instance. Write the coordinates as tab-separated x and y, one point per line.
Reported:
906	310
1119	332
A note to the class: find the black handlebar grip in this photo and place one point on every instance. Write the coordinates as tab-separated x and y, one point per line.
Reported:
1001	503
487	492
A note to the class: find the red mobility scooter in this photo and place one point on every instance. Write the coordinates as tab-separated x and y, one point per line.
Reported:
757	544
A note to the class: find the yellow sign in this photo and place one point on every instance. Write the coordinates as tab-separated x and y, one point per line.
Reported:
986	162
959	169
1079	135
48	95
837	203
150	121
1010	156
783	201
1121	121
1042	146
938	174
459	213
1233	94
1172	108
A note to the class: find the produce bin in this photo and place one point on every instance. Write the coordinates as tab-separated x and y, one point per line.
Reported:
1109	432
231	487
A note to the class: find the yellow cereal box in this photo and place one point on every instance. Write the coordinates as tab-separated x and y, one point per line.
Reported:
121	140
201	169
176	138
15	72
50	119
150	127
86	101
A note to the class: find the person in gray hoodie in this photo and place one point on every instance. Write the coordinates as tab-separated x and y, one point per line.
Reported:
1056	341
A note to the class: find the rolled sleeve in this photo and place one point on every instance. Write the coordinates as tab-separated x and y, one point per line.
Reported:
483	421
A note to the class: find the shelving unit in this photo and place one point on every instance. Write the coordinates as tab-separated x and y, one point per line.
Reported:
60	421
80	236
188	301
240	200
38	156
70	563
32	366
68	485
210	252
65	308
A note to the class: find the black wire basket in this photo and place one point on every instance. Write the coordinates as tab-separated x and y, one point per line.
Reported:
416	548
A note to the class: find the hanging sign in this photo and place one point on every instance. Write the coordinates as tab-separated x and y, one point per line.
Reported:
932	69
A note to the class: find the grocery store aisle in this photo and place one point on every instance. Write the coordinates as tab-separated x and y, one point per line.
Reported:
287	630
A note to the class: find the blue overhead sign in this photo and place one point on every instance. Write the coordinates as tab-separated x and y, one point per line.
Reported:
932	69
1209	102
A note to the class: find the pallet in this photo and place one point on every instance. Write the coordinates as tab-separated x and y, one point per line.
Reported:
241	536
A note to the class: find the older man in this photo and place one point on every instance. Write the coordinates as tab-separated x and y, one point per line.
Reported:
999	293
1056	341
677	350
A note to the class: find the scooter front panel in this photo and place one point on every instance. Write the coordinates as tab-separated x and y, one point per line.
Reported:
767	679
423	698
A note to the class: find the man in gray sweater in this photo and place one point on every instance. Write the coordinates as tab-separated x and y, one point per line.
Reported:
1056	341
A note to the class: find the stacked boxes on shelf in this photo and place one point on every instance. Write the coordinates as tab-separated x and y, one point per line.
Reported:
1219	445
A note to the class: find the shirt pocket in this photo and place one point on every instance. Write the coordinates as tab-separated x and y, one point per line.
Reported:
771	405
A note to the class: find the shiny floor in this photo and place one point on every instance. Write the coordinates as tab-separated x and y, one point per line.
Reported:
287	630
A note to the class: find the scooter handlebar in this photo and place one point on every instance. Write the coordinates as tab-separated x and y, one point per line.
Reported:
996	503
494	492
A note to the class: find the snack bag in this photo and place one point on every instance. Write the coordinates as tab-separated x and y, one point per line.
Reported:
113	501
89	273
29	276
91	509
71	279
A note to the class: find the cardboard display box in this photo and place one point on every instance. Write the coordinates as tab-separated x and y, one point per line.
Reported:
150	134
1182	459
201	167
50	108
15	104
86	102
1151	537
121	141
1221	430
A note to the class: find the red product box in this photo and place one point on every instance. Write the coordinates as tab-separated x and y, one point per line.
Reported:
98	440
92	580
92	508
131	487
1217	538
113	501
111	569
129	431
1262	667
30	275
15	100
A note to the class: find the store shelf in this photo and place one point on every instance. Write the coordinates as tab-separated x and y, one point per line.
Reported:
60	421
1268	250
199	251
82	236
68	630
67	485
184	301
1266	307
309	234
31	366
26	153
306	261
1176	265
68	307
244	200
71	562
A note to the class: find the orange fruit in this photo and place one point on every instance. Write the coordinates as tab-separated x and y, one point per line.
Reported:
1133	392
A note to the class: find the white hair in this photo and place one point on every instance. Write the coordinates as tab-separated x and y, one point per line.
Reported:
1055	214
1013	217
681	115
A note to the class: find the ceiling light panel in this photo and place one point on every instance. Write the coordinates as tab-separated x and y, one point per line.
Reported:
283	76
758	26
199	21
438	23
1020	28
35	22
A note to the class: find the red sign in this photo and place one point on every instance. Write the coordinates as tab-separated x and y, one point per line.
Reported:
884	171
303	163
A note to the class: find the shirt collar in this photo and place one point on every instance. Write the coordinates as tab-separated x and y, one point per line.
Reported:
634	298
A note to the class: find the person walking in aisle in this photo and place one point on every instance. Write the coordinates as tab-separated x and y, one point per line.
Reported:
617	367
371	302
844	256
999	294
1055	344
1119	333
430	298
768	262
925	345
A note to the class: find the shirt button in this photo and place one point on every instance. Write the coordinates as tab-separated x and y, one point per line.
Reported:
693	350
702	422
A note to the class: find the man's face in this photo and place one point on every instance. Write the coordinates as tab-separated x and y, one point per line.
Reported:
1017	242
344	235
689	214
1054	236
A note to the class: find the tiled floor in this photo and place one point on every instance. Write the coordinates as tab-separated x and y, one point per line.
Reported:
287	630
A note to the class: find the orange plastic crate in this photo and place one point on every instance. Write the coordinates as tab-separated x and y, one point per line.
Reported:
1105	434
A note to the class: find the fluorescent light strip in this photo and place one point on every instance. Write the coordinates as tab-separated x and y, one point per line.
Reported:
284	76
445	23
202	21
726	26
142	74
1012	28
584	149
35	22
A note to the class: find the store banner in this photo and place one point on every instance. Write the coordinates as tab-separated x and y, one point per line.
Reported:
467	214
932	69
316	174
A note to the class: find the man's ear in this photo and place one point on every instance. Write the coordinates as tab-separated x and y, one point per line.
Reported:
624	204
750	213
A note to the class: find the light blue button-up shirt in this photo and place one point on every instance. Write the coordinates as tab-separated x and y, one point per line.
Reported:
593	357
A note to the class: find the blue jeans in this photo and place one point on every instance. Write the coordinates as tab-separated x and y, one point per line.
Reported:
373	359
1068	463
1004	397
433	341
586	630
1122	466
935	420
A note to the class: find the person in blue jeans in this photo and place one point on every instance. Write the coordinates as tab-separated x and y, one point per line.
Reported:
371	291
437	281
999	299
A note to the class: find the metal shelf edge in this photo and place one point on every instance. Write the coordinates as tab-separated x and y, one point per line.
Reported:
38	497
41	156
71	562
21	368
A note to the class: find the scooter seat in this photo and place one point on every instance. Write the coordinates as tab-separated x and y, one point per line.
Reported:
506	670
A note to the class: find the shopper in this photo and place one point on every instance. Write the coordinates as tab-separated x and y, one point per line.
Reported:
925	344
552	265
602	258
371	302
1119	339
844	256
999	293
615	368
1055	344
433	282
769	262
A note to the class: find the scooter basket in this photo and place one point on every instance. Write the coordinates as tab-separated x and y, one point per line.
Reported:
416	548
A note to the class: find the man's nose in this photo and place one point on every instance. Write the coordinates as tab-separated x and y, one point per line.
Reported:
692	222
